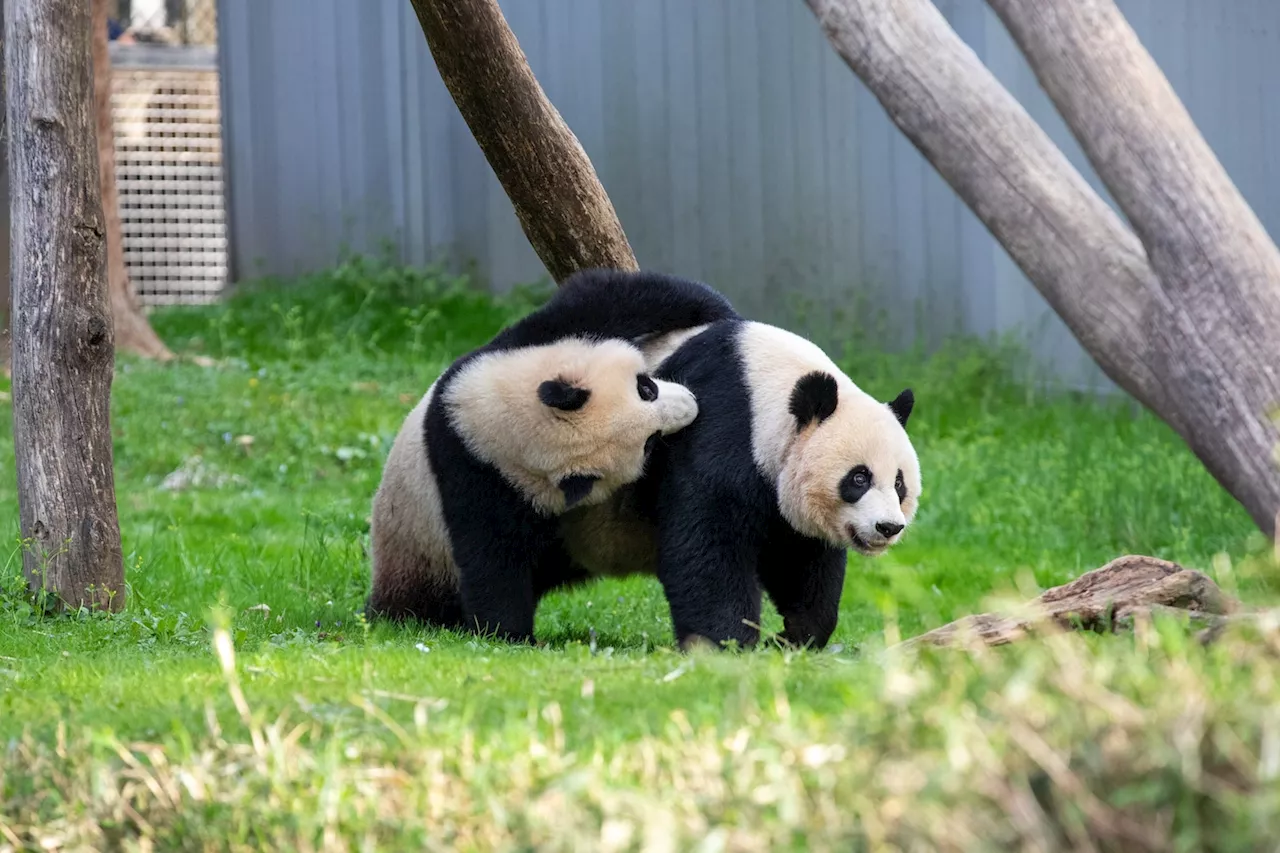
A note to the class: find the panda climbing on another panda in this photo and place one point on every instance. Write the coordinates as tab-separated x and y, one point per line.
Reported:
557	411
787	466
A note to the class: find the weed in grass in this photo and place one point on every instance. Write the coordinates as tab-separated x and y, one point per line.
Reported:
244	495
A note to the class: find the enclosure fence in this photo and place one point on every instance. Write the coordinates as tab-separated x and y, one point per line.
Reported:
168	142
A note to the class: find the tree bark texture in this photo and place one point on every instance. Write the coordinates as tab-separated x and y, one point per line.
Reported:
1164	345
1216	264
557	196
63	352
133	332
6	301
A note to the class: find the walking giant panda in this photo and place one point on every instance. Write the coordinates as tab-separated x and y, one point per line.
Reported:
788	465
557	411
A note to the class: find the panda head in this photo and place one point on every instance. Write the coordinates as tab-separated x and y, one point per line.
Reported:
568	423
851	476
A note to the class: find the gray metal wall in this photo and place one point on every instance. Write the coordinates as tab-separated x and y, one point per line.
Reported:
734	143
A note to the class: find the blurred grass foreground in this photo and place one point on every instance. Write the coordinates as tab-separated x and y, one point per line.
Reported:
240	702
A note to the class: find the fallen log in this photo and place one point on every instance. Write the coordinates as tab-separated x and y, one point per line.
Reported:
1102	600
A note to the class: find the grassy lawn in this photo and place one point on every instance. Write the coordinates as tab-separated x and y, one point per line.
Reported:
240	702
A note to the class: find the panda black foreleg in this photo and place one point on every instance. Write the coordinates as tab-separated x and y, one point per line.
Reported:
499	548
804	578
499	600
557	571
497	592
707	567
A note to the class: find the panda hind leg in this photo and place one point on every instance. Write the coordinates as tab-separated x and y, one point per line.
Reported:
431	606
407	587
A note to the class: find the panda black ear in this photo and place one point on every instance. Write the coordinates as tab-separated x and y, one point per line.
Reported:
902	406
576	487
559	394
814	397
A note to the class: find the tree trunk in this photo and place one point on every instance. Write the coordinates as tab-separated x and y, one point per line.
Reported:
562	207
1215	262
1174	348
6	300
132	331
62	337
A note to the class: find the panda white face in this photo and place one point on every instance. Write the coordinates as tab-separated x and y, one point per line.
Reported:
851	476
568	423
876	507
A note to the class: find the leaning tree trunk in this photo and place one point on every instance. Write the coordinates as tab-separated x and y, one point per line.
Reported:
1215	262
1173	343
132	331
62	338
562	207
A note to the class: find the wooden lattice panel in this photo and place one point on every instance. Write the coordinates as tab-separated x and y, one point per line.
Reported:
168	140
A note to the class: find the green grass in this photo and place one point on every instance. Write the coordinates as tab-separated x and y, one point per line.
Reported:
314	730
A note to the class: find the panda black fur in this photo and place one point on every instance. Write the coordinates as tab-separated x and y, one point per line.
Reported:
787	466
464	529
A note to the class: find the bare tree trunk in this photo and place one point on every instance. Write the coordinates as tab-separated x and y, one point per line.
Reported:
6	301
63	352
1179	358
562	207
1214	259
133	332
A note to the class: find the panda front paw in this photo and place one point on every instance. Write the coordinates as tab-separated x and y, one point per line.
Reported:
679	407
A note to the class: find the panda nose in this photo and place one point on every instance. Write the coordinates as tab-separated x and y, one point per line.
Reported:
888	528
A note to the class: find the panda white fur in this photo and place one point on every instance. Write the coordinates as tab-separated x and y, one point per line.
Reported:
788	465
557	410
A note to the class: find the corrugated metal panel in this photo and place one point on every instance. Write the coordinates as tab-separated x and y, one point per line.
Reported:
735	145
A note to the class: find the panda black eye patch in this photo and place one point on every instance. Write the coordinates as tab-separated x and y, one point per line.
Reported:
559	394
646	387
900	486
855	484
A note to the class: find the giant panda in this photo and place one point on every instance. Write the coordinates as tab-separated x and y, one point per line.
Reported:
788	465
557	411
